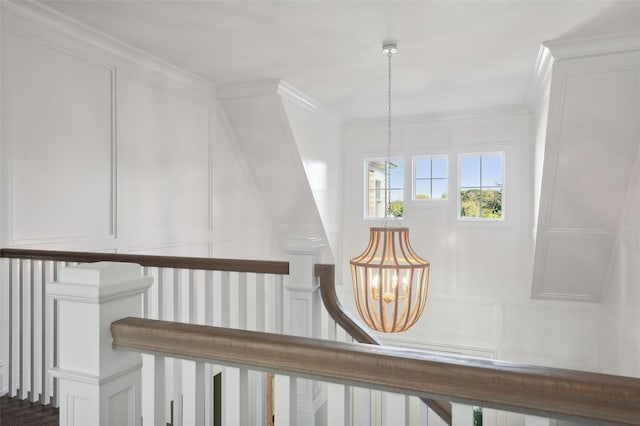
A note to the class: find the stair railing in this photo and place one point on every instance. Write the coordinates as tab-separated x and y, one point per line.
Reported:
573	395
220	292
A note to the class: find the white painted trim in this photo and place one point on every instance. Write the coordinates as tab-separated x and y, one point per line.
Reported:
481	113
57	21
540	80
489	353
92	379
97	294
568	297
248	89
590	231
308	246
303	289
596	48
303	100
258	88
593	46
288	91
11	36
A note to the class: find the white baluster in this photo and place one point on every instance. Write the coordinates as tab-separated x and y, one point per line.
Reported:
539	421
177	363
258	378
461	415
208	368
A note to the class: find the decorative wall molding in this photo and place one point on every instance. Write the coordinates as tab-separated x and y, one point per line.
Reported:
42	15
489	353
573	61
12	37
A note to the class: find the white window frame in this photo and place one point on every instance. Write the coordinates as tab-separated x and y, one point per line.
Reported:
502	154
397	160
414	178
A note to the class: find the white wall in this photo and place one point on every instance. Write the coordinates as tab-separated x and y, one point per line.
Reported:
318	135
105	148
479	297
620	308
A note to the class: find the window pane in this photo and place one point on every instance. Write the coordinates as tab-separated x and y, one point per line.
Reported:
439	189
470	203
396	175
396	195
423	167
423	190
439	167
491	170
397	205
491	205
377	188
470	171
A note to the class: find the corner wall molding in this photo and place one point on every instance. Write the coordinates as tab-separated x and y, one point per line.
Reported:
43	15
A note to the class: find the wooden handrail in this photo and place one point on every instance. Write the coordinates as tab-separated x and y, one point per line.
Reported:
326	275
178	262
541	391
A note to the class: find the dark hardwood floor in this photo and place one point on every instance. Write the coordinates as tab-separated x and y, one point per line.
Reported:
16	412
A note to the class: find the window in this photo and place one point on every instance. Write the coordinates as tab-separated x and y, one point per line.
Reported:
377	187
430	180
481	186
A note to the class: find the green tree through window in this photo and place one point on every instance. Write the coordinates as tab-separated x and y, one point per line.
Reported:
481	186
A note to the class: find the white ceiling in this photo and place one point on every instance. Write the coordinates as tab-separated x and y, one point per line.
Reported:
452	55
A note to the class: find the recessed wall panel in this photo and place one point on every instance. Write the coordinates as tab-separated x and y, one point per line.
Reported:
564	328
60	139
574	264
165	146
470	320
491	261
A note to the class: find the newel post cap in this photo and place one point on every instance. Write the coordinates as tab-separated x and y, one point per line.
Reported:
99	281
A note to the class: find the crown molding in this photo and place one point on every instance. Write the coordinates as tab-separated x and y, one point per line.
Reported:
272	87
248	89
43	15
564	49
593	46
291	93
417	119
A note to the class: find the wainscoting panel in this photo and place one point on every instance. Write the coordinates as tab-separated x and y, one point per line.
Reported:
165	147
59	126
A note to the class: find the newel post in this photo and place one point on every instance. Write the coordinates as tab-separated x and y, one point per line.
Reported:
98	385
305	310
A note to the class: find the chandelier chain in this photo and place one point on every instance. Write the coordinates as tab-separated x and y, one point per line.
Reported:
388	164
